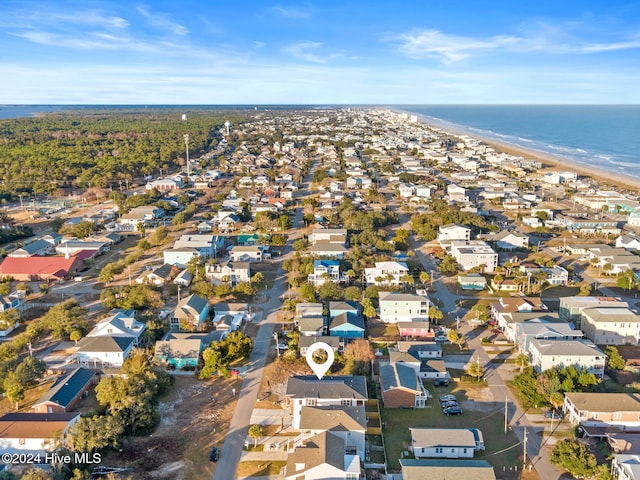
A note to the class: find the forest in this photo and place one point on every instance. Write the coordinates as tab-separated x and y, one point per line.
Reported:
100	148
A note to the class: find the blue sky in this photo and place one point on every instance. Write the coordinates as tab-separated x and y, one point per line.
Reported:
348	52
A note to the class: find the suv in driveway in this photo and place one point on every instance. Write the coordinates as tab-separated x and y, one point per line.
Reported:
441	382
452	411
213	456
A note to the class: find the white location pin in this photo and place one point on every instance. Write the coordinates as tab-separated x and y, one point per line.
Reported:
320	368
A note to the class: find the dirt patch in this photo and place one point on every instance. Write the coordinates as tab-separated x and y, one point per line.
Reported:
195	415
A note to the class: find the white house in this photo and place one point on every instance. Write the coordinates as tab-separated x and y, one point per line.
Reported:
403	307
447	233
250	253
309	391
232	272
386	273
611	326
626	466
446	442
104	351
34	433
323	456
506	240
348	423
474	253
121	323
603	409
582	355
326	270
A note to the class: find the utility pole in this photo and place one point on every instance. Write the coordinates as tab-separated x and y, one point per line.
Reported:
525	448
506	413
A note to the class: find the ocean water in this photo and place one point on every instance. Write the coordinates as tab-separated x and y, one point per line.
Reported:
604	136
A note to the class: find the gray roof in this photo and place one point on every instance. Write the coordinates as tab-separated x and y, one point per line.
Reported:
590	302
179	348
334	418
347	318
305	342
419	346
518	317
605	402
446	469
104	344
67	387
36	246
343	386
433	365
443	437
397	375
401	297
323	448
566	347
608	315
313	324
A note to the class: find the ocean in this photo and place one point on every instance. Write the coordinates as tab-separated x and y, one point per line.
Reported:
602	136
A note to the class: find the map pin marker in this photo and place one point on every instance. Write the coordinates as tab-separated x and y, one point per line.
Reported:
320	368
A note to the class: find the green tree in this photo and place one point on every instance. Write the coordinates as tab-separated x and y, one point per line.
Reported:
368	310
425	278
626	280
352	293
454	337
330	291
476	370
358	355
13	388
522	361
307	292
90	434
449	265
585	290
65	317
435	315
614	359
255	432
575	457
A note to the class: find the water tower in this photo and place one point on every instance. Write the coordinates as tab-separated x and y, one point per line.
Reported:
227	124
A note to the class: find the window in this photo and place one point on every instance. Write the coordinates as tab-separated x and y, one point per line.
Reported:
464	450
311	402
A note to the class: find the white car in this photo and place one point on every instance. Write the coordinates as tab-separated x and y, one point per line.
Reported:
441	338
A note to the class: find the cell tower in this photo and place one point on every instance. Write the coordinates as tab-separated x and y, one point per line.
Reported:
227	124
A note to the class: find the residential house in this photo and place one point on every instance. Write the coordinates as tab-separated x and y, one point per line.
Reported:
309	391
142	215
66	392
611	326
345	321
120	323
180	350
450	232
555	275
183	279
31	269
415	329
470	254
166	184
75	247
473	281
507	305
508	321
323	456
348	423
401	387
326	248
191	312
571	308
403	307
38	247
386	273
603	409
34	433
625	466
249	254
310	319
229	316
103	351
446	469
229	271
424	367
628	242
159	276
422	350
508	241
327	270
304	342
526	331
581	354
446	442
331	235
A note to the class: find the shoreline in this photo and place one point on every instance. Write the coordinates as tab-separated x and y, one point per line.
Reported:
550	161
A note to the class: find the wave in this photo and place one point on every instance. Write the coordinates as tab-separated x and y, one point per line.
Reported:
624	164
581	150
526	140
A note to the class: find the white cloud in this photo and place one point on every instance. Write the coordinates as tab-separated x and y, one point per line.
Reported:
310	52
421	44
162	21
295	13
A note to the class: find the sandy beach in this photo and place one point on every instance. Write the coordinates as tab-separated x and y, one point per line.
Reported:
614	180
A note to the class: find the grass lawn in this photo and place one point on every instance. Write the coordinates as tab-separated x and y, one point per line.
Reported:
30	397
397	436
383	330
259	469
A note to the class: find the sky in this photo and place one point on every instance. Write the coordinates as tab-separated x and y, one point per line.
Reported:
319	52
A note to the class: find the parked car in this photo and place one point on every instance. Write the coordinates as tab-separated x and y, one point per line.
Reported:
552	414
448	398
441	382
452	411
213	456
449	404
441	338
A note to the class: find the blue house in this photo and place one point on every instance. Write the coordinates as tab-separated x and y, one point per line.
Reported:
180	351
345	320
192	311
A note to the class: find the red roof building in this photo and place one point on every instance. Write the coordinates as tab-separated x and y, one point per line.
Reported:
30	269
